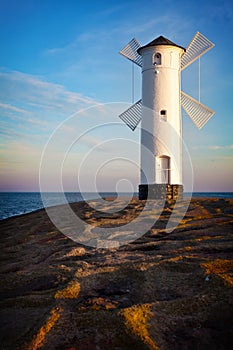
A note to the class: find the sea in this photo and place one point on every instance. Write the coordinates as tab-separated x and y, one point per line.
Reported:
19	203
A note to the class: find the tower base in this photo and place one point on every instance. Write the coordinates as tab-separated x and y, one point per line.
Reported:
161	191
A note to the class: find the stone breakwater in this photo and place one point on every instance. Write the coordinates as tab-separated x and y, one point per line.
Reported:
162	291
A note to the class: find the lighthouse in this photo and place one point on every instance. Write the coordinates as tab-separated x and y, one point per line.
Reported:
159	111
160	149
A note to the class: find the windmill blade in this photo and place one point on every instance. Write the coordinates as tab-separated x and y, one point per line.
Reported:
196	48
199	113
130	52
133	115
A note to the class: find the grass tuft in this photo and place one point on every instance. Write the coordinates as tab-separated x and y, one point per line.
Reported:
70	292
39	338
136	320
220	267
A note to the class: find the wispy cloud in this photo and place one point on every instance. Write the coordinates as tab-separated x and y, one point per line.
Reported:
100	39
217	147
112	10
28	100
214	147
24	155
82	38
31	108
21	87
13	108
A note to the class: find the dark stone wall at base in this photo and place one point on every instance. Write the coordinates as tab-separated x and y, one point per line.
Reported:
161	191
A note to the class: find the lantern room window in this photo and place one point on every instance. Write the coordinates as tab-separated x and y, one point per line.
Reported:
157	59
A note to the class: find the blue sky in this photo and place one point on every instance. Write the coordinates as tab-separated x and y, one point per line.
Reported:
60	57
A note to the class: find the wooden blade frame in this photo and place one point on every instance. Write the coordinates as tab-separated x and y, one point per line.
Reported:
197	47
199	113
130	52
133	115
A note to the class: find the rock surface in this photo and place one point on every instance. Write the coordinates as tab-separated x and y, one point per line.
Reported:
165	290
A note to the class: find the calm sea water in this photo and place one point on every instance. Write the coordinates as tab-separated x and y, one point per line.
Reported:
17	203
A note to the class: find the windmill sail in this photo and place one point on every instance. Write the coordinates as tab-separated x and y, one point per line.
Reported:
130	52
197	47
199	113
133	115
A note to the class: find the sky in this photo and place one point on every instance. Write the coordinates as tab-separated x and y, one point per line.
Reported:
63	83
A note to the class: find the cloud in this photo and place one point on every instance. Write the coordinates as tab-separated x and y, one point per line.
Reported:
23	154
80	39
100	40
31	109
20	88
108	11
214	147
29	104
217	147
13	108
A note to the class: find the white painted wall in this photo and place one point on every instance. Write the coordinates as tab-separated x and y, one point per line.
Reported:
161	91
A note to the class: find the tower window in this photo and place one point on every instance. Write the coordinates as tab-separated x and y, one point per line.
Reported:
157	59
163	114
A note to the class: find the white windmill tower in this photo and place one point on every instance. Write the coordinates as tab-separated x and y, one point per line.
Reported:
159	111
